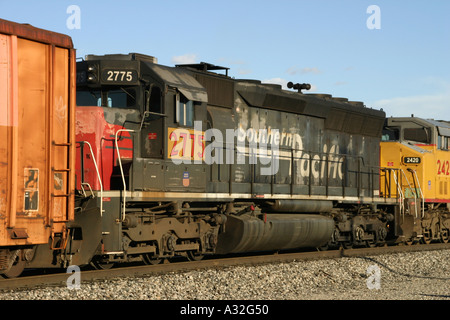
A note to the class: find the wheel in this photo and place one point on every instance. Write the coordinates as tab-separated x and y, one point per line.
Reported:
150	259
371	244
426	239
380	237
358	236
98	264
333	243
17	267
347	245
444	236
194	256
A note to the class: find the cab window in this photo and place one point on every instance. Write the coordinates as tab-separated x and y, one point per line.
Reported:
115	98
184	111
417	134
390	134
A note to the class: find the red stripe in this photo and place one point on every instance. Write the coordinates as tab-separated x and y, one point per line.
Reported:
438	200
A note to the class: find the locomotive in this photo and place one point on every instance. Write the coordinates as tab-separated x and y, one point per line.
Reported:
158	162
415	157
186	161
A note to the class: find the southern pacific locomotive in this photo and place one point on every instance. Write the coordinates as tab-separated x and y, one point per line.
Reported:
186	161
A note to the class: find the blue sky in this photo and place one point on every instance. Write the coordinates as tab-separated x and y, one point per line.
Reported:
403	67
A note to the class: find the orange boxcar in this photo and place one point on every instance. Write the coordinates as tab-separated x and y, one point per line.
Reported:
37	144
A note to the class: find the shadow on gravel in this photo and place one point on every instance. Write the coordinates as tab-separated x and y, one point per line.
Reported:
402	273
435	295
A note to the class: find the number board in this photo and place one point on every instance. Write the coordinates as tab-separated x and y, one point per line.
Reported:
119	76
411	160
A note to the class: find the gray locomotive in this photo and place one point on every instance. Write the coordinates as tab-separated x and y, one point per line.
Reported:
187	161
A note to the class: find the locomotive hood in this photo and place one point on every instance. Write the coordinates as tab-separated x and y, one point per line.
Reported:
339	113
179	78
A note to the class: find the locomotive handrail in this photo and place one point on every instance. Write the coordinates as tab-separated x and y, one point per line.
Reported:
121	169
98	174
410	187
90	189
387	179
325	160
420	189
400	193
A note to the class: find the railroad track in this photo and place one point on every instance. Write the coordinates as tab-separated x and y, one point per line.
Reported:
60	279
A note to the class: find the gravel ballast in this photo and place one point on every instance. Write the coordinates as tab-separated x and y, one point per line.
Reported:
405	276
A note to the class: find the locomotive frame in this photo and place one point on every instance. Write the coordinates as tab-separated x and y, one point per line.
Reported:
218	207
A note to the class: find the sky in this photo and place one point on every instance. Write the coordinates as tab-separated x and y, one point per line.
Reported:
392	55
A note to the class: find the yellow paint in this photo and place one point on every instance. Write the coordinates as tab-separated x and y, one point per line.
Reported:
433	170
185	144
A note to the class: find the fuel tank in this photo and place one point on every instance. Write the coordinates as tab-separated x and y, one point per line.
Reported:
274	232
300	206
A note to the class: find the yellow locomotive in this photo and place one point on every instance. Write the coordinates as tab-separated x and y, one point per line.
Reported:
415	169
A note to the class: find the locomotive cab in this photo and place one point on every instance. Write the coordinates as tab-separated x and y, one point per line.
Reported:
146	103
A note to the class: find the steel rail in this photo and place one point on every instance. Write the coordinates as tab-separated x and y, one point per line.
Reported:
60	279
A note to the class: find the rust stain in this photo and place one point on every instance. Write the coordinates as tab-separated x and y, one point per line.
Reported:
27	31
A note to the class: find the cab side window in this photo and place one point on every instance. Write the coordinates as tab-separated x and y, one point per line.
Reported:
184	114
443	142
155	100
